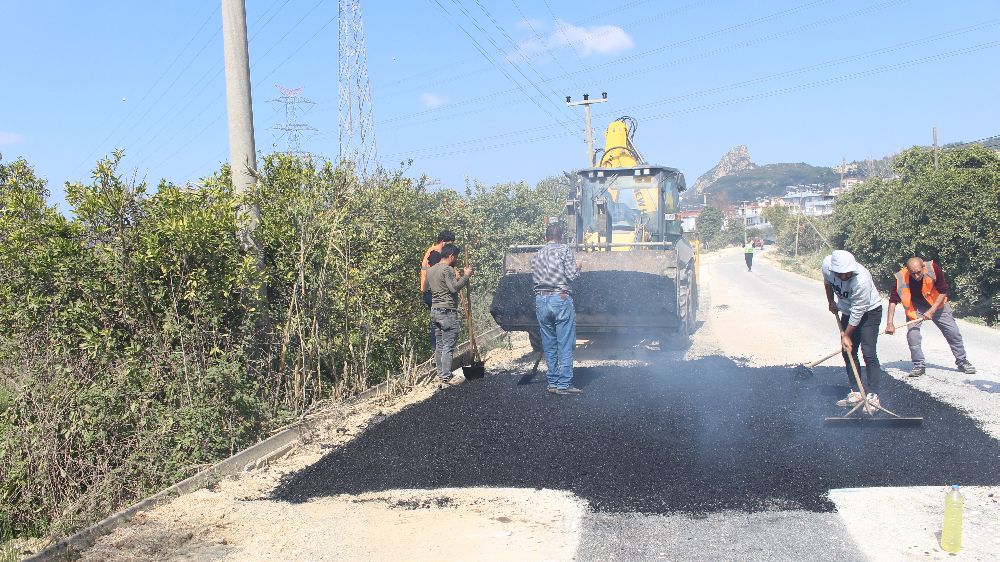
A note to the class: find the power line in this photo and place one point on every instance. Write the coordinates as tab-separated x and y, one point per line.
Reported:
451	66
135	107
442	150
616	62
817	66
221	95
262	79
527	61
540	40
499	68
590	37
639	72
503	56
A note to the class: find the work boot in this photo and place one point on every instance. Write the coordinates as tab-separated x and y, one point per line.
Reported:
456	380
917	371
966	367
871	405
853	398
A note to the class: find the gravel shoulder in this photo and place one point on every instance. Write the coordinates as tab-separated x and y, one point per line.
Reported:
236	519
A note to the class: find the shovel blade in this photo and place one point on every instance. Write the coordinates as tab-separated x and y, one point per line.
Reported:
476	370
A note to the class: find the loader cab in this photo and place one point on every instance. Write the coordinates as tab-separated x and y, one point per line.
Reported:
625	205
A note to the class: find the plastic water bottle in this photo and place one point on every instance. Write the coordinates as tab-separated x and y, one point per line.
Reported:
951	533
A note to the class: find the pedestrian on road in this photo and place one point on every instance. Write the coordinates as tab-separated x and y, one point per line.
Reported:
444	286
860	307
748	255
553	269
444	237
923	290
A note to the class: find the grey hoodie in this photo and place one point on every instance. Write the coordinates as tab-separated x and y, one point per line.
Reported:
856	296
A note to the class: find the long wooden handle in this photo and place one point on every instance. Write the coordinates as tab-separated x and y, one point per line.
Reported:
840	349
468	311
850	359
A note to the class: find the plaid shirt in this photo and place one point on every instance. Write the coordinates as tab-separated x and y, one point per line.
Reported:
553	268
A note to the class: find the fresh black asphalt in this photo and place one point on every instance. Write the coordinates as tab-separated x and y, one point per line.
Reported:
694	437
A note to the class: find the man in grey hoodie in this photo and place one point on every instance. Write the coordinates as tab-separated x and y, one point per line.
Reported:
860	307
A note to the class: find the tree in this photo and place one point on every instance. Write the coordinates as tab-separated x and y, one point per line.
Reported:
950	214
710	223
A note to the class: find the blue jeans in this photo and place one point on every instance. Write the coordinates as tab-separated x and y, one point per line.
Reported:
557	324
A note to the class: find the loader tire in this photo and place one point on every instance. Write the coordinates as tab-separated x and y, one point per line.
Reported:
687	309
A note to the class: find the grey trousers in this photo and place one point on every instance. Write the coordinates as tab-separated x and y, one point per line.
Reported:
945	322
445	332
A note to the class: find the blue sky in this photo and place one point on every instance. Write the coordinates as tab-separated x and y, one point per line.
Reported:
794	80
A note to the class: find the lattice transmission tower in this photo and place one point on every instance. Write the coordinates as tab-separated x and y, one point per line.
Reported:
295	106
355	113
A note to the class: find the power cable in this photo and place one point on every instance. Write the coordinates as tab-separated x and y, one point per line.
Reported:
150	90
452	65
618	61
479	146
817	66
527	61
499	68
582	40
402	121
221	95
147	142
538	37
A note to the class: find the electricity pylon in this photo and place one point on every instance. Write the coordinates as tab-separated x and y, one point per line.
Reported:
355	112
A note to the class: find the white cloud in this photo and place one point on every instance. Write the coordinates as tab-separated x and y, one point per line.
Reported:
431	100
599	39
10	138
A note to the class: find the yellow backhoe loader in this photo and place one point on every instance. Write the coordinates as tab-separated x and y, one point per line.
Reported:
637	269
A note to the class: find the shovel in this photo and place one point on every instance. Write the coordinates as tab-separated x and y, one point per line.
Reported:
805	371
477	369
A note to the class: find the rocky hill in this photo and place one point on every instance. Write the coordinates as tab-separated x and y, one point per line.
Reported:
737	178
735	161
772	180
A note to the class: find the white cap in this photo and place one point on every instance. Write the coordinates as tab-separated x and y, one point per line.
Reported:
842	261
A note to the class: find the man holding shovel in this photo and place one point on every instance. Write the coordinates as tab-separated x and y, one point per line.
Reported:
444	285
431	256
860	308
923	291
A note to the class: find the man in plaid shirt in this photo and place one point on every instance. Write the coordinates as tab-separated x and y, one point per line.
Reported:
553	269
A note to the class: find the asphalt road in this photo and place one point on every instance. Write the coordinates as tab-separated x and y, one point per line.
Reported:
706	458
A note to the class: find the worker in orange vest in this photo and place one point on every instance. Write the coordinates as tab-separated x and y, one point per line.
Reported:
444	237
923	291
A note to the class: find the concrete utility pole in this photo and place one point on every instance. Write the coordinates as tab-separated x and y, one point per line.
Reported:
935	149
586	103
242	152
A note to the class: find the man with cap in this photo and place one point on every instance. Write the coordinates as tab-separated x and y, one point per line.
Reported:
860	307
922	289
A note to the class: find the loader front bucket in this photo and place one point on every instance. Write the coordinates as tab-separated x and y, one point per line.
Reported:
605	301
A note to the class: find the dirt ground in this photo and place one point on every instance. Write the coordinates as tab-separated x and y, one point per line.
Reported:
234	520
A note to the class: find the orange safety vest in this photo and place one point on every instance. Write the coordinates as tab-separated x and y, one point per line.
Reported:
926	288
425	265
